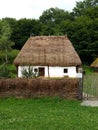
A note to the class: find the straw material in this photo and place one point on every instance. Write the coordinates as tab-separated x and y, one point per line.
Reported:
48	51
95	63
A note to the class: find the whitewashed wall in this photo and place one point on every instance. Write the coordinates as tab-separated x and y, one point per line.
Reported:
53	71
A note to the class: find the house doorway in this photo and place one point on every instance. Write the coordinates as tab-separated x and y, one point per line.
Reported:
41	71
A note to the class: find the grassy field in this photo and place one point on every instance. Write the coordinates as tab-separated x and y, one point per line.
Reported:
46	114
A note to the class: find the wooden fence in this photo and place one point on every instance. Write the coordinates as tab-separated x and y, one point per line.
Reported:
90	87
40	87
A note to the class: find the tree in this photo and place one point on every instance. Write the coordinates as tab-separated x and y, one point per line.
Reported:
83	33
92	12
5	42
51	20
81	6
5	47
55	15
24	28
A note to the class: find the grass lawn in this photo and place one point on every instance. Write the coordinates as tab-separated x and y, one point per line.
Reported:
46	114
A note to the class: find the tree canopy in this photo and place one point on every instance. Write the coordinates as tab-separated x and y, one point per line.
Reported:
80	25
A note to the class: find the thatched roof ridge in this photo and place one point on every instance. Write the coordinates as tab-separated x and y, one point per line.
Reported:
48	50
95	63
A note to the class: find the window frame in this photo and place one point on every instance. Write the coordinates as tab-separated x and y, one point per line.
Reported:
65	70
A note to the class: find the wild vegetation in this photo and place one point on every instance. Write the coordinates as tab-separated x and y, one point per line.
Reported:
80	25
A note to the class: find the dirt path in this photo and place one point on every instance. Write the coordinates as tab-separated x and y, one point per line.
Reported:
92	103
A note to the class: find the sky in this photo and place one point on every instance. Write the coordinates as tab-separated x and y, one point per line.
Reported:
32	9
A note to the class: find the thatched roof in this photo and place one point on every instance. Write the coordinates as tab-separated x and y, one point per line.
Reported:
95	63
48	50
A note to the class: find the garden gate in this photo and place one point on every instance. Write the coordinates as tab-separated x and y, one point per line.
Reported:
90	87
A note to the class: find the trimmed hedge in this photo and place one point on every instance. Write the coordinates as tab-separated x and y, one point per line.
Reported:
40	87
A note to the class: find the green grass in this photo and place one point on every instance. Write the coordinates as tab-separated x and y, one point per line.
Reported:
46	114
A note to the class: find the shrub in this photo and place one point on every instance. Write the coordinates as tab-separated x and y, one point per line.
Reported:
29	73
4	71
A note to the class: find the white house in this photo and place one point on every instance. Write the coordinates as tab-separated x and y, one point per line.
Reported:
49	56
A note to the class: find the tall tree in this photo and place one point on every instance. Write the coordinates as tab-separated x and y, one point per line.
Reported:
23	29
55	15
51	20
81	6
5	42
5	48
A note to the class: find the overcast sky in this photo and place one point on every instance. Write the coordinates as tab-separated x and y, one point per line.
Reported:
32	8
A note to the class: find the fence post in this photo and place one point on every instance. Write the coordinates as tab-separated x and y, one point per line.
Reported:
80	88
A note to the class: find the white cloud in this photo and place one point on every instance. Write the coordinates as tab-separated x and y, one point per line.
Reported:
31	8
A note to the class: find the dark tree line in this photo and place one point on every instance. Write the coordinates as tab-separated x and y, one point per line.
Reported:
80	25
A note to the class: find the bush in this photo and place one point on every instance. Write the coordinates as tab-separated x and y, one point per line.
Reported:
28	72
4	71
7	71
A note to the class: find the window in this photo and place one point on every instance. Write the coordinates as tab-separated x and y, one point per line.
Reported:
65	70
